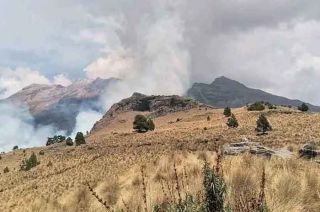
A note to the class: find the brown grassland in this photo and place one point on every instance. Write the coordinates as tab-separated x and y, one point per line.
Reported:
109	165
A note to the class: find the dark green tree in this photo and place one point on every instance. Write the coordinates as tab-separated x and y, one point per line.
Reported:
304	107
232	121
79	139
227	112
263	124
28	164
15	147
143	124
257	106
69	142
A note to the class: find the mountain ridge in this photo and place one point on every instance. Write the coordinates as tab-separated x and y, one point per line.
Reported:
225	92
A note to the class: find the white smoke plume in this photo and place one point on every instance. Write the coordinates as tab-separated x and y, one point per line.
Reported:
17	128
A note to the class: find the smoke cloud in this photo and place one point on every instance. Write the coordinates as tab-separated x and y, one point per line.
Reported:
17	128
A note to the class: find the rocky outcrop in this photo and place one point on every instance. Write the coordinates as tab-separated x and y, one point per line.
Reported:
224	92
253	148
155	106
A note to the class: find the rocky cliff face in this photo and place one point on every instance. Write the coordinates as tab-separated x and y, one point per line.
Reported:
59	106
155	105
224	92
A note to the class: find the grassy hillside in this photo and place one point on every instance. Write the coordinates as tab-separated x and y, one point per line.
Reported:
109	165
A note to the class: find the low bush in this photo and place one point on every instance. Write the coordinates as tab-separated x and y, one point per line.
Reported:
6	170
143	124
227	112
69	142
303	107
257	106
232	122
28	164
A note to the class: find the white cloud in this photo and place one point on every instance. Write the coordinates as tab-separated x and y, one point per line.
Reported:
13	80
61	79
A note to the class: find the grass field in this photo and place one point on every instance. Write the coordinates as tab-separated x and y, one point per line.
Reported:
110	163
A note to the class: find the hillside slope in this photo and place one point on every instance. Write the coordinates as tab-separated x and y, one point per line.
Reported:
111	163
224	92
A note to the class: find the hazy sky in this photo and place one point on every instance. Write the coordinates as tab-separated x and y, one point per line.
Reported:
272	45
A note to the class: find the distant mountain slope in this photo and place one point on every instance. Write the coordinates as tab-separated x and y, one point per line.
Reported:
223	92
155	106
59	106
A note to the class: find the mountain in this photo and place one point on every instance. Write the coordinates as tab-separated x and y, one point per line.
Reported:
224	92
154	106
58	105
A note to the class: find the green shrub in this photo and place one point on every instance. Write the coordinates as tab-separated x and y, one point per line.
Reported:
69	142
263	124
232	121
304	107
143	124
257	106
227	112
55	139
15	147
28	164
214	189
79	139
6	170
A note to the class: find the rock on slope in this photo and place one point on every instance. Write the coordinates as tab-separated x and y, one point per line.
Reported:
155	105
59	106
224	92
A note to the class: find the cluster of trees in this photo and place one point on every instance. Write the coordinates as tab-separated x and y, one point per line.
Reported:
55	139
79	139
263	124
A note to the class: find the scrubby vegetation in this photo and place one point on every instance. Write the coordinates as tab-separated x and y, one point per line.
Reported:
28	164
6	170
257	106
79	139
303	107
69	141
232	122
55	139
227	112
15	147
143	124
263	124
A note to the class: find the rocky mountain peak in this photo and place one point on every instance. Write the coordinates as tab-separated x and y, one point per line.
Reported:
155	106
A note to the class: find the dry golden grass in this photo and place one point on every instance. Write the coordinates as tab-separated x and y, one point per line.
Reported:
112	158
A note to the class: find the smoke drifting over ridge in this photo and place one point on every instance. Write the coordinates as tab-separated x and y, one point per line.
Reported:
162	46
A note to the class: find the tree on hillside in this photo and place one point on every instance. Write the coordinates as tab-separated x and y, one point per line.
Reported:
69	142
79	139
15	147
304	107
232	121
28	164
227	112
257	106
263	124
143	124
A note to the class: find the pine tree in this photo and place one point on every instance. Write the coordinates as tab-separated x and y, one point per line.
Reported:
227	112
304	107
263	124
232	121
79	139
